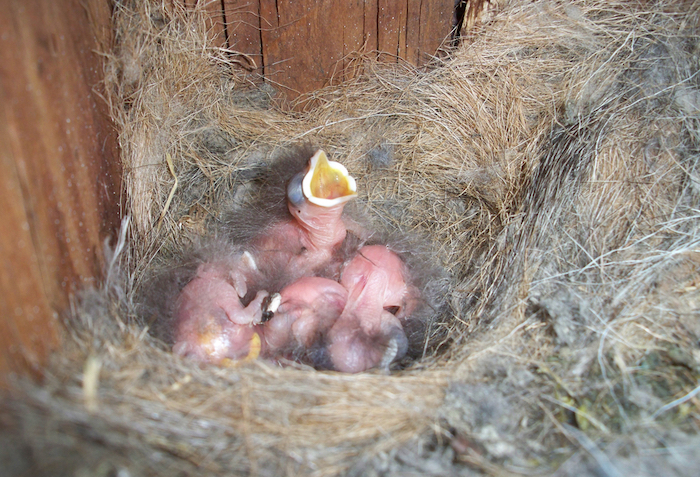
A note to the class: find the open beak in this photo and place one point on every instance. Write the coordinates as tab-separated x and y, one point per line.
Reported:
327	183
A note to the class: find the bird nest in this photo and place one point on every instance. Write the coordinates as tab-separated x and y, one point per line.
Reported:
549	165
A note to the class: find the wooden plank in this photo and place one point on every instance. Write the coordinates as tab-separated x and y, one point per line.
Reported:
435	27
216	23
302	47
270	47
215	19
369	25
352	11
414	24
244	32
369	21
26	307
391	29
61	192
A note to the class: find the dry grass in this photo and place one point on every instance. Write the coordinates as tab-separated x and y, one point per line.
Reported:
550	165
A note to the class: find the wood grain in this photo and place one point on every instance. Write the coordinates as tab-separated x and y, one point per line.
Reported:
60	187
244	32
301	46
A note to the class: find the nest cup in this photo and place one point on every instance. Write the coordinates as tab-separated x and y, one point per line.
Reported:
547	168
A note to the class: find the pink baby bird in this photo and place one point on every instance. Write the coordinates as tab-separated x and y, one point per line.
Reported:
369	332
211	323
303	313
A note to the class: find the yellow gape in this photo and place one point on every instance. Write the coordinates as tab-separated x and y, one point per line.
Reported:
328	182
253	353
255	346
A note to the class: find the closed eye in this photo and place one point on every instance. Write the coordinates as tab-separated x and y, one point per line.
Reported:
295	193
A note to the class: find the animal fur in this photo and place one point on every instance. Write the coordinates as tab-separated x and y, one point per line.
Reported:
551	160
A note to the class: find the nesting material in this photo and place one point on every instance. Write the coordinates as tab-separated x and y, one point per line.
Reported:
549	165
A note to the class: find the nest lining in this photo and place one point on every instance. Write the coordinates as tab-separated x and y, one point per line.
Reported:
550	164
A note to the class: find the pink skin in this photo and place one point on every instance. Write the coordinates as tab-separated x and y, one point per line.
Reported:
369	332
211	323
308	308
295	249
306	244
302	246
323	227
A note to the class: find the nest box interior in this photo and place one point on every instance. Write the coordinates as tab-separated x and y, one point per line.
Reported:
544	155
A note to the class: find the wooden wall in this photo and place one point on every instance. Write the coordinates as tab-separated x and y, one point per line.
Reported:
298	46
60	177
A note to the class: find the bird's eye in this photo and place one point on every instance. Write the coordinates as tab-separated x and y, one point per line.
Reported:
295	194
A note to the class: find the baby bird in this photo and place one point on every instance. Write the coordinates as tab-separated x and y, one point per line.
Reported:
303	313
211	322
293	294
369	331
306	244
